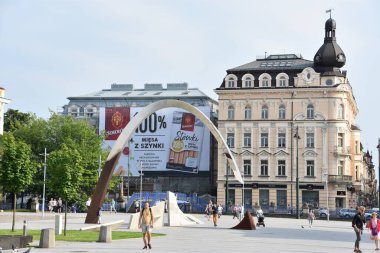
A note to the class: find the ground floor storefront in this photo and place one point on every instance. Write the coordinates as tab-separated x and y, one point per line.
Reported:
281	197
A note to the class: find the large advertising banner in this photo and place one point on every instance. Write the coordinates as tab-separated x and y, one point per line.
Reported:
169	140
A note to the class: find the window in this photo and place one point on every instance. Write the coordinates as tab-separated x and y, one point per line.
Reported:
231	82
264	112
231	112
281	168
310	112
74	112
281	112
264	140
341	168
310	168
247	167
264	168
281	140
340	112
357	173
310	140
231	140
265	82
247	140
81	111
247	112
357	147
89	112
340	139
248	82
282	82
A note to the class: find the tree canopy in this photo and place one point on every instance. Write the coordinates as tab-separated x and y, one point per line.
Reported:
57	134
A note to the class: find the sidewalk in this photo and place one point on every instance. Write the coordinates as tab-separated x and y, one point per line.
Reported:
279	235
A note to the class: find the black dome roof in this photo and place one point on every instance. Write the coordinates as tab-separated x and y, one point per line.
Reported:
330	24
330	55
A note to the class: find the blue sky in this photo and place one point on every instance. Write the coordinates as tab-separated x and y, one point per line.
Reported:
52	49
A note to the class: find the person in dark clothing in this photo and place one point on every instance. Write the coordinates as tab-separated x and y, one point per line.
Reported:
357	223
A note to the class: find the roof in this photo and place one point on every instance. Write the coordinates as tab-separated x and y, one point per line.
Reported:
275	62
151	91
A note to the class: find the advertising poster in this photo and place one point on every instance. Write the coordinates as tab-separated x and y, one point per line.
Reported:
169	140
116	119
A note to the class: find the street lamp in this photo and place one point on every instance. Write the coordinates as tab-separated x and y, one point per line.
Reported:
378	191
326	174
297	137
141	174
226	200
43	189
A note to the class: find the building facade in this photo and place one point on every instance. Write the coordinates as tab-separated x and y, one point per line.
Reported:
265	104
3	101
124	97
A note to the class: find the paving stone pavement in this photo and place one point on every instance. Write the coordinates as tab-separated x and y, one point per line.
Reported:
279	235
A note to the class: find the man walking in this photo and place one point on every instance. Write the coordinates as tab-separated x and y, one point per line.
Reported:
357	224
146	224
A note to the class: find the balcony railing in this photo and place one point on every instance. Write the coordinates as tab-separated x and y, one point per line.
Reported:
345	150
340	179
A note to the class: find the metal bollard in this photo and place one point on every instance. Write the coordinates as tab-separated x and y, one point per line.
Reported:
25	229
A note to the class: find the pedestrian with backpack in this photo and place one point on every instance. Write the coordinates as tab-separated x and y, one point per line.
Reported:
146	223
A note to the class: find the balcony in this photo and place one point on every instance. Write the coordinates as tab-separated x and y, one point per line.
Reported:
345	151
340	179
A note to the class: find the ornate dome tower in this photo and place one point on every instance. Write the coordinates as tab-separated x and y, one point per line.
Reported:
330	57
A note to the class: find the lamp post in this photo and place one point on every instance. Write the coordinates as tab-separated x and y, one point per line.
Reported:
378	189
326	174
297	137
141	174
226	200
43	188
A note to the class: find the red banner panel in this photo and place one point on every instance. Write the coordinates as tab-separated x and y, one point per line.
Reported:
188	122
116	119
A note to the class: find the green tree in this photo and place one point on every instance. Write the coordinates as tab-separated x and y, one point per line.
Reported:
66	170
76	134
13	119
16	168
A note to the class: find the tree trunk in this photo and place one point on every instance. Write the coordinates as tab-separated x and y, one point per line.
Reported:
64	231
14	211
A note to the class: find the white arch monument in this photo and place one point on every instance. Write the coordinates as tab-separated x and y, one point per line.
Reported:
125	136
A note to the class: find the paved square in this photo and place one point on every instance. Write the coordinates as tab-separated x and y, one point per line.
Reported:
279	235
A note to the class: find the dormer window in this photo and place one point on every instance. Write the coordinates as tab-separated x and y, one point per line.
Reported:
247	81
230	81
265	80
282	80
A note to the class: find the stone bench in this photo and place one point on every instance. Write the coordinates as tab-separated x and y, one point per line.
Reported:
114	225
14	241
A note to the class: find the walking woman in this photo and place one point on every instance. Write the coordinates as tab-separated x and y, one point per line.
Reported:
357	224
373	226
311	217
